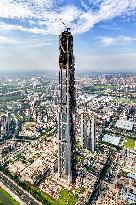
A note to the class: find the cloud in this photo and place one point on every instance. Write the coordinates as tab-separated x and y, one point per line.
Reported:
119	40
4	41
20	59
31	42
43	15
14	9
4	26
11	27
107	61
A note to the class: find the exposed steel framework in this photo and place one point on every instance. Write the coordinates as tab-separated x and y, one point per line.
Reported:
66	128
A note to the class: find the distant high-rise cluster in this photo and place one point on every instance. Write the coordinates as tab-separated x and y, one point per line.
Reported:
67	141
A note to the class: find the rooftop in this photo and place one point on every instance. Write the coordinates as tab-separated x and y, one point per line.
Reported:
111	139
124	124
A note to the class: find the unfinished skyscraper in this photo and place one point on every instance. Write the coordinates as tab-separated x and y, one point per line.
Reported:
66	133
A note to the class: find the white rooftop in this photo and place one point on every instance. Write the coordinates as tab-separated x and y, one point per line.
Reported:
124	124
87	98
111	139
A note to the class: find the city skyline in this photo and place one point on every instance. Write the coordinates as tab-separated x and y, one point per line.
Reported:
67	102
104	34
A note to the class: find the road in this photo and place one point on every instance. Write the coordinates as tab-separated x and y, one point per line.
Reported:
22	140
98	183
15	189
5	199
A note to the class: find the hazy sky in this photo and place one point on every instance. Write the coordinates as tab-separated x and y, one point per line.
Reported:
104	33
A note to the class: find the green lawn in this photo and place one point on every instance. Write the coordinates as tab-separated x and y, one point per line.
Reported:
2	113
130	144
125	100
99	88
67	198
6	198
80	159
104	87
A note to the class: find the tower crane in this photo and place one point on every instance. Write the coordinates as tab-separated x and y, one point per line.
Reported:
68	29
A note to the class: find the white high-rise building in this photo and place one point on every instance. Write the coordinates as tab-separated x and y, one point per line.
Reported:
5	122
88	137
0	153
93	133
85	129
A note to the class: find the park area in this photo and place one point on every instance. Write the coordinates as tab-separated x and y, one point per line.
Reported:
130	143
6	198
